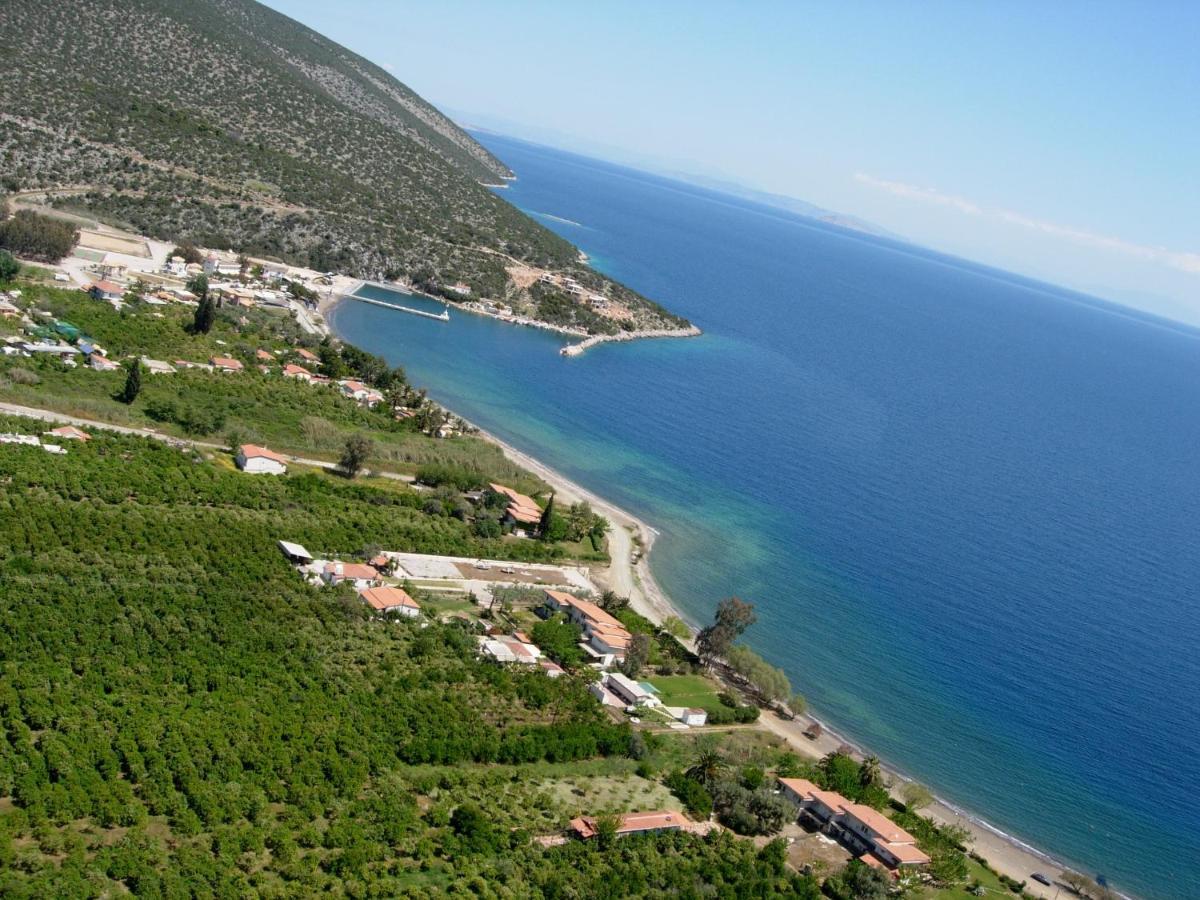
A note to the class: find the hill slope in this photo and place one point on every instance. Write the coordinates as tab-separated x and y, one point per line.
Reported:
228	124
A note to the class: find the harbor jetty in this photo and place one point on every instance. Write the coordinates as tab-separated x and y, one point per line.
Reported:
581	347
443	316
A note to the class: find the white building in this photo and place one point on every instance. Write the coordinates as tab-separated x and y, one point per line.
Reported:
511	649
157	366
360	575
629	690
260	461
295	553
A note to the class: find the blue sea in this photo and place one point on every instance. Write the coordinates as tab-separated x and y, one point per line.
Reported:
965	504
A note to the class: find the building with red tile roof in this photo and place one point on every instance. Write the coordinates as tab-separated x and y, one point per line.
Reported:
604	634
387	599
70	433
521	510
360	574
864	830
291	370
634	823
259	460
225	364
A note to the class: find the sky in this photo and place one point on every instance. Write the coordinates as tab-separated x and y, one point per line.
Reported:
1058	140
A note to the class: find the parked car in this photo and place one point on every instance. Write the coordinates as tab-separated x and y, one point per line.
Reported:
1042	879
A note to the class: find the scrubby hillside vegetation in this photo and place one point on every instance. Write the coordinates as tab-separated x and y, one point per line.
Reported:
224	123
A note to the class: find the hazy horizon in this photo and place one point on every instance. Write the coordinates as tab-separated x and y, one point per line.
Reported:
1035	140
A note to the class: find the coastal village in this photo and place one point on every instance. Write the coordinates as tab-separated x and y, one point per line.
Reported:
557	621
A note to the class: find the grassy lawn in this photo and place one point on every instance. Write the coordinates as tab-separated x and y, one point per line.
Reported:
686	690
975	872
441	603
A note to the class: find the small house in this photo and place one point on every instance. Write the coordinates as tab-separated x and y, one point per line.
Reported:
70	433
585	827
225	364
157	366
360	575
295	553
102	363
291	370
260	461
629	690
107	290
392	600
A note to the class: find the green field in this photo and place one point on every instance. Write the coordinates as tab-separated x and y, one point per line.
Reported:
686	690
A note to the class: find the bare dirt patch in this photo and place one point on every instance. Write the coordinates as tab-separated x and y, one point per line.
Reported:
113	243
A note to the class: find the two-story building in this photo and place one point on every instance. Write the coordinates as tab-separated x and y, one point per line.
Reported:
861	829
605	639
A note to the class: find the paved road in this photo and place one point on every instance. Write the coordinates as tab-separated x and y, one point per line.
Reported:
46	415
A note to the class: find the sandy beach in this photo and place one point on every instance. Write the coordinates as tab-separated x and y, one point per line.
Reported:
633	578
629	575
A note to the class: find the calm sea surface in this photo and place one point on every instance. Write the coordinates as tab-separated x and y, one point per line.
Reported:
965	504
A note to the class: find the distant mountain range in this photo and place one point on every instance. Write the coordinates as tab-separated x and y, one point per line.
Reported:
788	204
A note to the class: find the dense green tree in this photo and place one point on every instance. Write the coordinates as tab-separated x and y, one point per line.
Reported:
840	773
355	454
9	267
36	236
637	655
859	881
559	640
915	796
198	285
188	252
733	617
692	794
205	314
133	382
547	520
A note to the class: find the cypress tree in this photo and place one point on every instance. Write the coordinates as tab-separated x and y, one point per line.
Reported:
547	518
203	321
133	383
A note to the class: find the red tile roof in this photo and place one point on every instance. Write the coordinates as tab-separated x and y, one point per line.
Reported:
801	786
305	354
382	598
253	451
224	362
632	823
71	432
906	853
351	570
293	369
879	823
522	508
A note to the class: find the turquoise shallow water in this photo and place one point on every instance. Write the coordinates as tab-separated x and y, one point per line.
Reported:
964	503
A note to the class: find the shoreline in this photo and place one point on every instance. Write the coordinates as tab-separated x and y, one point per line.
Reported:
344	288
629	574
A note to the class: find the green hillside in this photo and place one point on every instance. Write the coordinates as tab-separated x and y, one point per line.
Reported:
227	124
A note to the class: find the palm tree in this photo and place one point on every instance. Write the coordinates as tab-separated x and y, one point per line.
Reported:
868	772
708	766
